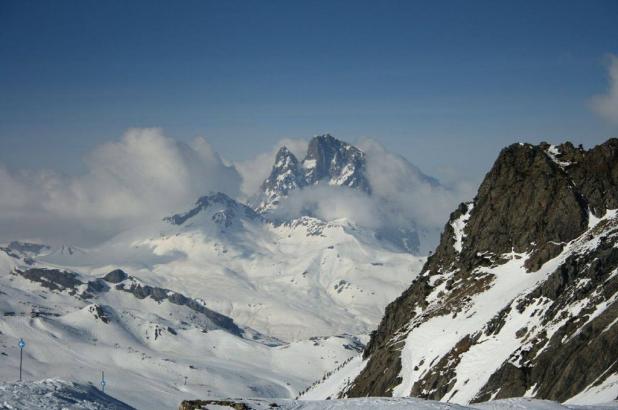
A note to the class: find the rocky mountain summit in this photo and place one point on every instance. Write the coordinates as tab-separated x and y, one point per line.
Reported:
328	161
520	296
224	210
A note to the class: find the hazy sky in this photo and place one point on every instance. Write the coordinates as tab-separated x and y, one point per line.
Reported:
446	84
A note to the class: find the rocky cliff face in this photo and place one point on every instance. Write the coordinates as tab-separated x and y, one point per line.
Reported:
286	175
336	162
520	296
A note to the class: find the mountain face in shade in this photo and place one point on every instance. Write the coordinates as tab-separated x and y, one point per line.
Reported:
286	175
223	209
328	161
520	298
336	163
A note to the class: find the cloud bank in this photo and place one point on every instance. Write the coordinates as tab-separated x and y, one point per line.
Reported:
145	176
140	178
607	105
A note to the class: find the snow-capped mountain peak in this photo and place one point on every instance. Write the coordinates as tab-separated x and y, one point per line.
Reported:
222	210
286	175
327	161
336	162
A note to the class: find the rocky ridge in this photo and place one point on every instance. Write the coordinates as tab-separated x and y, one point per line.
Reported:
520	296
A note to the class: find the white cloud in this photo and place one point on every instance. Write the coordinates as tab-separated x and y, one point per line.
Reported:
329	203
143	177
607	105
408	195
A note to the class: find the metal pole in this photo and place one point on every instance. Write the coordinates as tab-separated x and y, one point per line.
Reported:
21	344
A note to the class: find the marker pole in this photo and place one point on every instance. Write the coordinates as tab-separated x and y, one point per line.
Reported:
21	344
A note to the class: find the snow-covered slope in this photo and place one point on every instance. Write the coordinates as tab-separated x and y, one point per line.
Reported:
378	403
216	294
56	394
149	340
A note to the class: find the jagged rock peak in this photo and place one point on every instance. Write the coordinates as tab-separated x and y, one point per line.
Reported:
224	210
328	160
285	159
336	162
286	175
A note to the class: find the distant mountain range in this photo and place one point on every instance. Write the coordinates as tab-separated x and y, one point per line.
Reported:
224	293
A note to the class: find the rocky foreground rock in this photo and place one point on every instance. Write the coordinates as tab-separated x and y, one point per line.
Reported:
520	296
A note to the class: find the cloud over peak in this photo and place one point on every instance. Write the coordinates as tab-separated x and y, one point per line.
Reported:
606	105
139	178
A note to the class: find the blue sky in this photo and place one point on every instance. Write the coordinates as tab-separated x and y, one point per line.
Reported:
444	83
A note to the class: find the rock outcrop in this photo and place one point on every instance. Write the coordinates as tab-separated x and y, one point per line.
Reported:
521	295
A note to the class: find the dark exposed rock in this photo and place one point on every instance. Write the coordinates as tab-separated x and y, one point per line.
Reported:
432	385
285	176
99	313
526	198
141	291
115	276
595	173
53	279
201	404
534	201
97	286
334	160
563	369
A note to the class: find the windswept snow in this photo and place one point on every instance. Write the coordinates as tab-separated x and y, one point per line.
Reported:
594	221
553	152
336	381
433	336
601	392
458	226
407	403
55	394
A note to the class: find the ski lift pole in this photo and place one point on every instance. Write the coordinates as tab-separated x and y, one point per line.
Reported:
21	345
103	383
